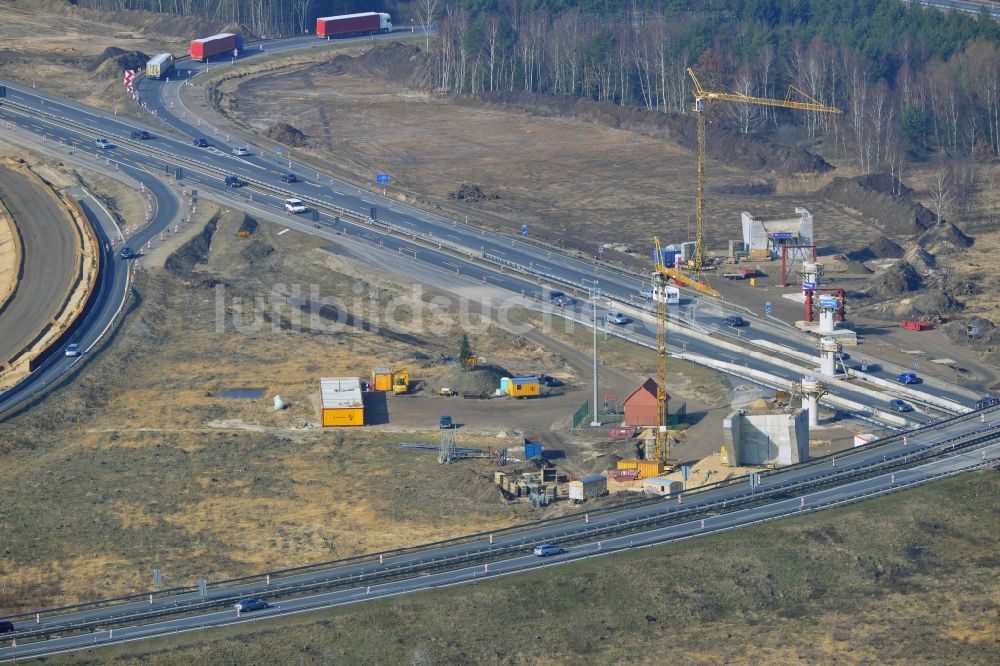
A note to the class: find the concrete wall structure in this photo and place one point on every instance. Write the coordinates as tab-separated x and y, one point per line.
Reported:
767	437
764	238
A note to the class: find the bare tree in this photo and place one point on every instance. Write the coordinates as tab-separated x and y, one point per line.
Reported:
427	11
942	191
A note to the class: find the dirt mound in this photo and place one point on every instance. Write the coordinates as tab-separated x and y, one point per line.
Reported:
884	183
472	193
872	196
255	251
944	238
287	135
751	152
481	380
194	252
114	60
900	278
929	305
749	189
405	64
880	248
922	261
989	334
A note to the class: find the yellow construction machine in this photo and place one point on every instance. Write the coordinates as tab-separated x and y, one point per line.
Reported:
400	381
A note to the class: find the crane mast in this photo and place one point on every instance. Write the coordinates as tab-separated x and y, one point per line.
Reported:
700	97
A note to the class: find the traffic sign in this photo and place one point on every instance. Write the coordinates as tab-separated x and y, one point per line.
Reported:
767	308
524	230
277	150
382	178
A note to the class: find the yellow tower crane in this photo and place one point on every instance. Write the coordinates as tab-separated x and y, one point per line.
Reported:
661	452
700	97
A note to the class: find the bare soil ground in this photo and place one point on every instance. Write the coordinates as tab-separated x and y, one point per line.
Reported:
573	182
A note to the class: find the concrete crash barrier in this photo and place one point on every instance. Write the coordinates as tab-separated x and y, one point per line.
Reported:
77	294
11	256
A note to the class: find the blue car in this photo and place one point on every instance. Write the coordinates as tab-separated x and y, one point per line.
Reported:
247	605
908	378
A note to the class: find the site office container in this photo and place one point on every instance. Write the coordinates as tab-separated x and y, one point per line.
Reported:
353	24
381	379
521	387
342	404
206	47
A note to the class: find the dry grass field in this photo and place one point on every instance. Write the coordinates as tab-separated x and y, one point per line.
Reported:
907	578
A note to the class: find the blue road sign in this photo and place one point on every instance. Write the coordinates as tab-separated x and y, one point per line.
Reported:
382	178
277	150
809	285
685	472
767	308
524	230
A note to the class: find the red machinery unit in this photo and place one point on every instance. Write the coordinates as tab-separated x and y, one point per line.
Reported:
349	24
206	47
914	325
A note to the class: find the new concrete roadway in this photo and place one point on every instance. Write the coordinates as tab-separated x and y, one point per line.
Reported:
960	444
111	289
51	259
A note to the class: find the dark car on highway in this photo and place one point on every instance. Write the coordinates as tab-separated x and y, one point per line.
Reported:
247	605
735	321
128	253
908	378
6	626
988	401
289	178
900	406
200	143
140	134
233	181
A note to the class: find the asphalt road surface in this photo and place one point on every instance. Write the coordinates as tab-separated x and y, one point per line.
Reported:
51	261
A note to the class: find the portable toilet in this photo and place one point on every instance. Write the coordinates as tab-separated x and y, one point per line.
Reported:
382	379
505	385
524	387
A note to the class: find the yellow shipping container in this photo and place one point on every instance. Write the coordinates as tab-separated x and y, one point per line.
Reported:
382	379
344	416
649	468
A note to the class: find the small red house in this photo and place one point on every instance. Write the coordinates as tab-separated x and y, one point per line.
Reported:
640	406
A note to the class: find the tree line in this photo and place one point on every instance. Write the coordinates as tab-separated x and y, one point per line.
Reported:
912	81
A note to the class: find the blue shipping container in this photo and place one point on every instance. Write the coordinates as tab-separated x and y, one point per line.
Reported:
532	450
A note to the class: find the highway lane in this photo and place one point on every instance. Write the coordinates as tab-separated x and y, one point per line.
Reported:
51	261
509	553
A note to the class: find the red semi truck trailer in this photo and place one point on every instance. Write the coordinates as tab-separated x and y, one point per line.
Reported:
368	23
206	47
